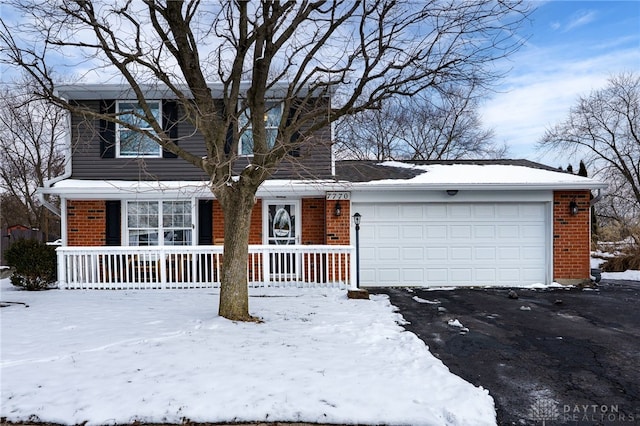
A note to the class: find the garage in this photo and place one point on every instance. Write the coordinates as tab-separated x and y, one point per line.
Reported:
435	244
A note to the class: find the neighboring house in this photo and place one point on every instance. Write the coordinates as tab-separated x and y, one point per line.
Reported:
134	219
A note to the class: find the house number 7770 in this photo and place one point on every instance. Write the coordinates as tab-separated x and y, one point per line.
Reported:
338	195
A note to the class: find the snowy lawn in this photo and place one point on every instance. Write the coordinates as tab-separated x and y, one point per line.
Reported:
110	357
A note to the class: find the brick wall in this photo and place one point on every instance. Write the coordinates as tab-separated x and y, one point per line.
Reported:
255	233
571	237
313	223
338	228
86	222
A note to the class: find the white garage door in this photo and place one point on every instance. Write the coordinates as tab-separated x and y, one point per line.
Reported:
451	244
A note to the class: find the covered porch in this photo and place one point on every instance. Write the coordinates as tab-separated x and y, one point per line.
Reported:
173	267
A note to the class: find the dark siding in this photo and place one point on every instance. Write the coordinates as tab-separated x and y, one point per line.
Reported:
313	160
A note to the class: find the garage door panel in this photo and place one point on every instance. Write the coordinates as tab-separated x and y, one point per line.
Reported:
484	231
509	275
413	276
460	231
391	275
436	231
508	254
460	253
388	253
411	211
436	253
533	253
437	275
484	211
532	231
508	211
367	253
385	211
442	244
485	253
461	276
457	211
506	232
436	211
412	232
534	211
485	275
388	232
413	253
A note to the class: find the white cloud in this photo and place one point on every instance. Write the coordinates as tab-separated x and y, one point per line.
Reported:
580	18
541	89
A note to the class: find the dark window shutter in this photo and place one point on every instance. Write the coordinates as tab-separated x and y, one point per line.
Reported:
205	222
113	227
170	124
107	131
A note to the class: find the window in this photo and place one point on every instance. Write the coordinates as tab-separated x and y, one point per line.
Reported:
272	118
152	223
131	143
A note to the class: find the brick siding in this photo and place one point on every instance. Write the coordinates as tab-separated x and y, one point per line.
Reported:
313	223
571	237
338	227
86	223
255	233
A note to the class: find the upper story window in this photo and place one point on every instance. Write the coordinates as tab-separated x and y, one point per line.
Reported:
272	118
130	143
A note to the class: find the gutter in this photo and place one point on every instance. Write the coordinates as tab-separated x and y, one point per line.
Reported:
67	171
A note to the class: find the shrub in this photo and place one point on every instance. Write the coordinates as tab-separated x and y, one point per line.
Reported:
34	264
629	260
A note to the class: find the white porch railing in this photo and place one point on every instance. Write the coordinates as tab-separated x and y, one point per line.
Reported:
149	267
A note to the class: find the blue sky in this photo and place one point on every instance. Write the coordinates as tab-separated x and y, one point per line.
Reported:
572	48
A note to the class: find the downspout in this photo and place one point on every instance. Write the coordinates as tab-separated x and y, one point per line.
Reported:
596	199
67	170
596	273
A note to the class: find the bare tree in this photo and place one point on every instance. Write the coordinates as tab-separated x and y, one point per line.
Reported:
435	124
31	152
604	129
358	52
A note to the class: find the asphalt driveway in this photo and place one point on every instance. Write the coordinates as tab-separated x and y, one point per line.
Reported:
553	356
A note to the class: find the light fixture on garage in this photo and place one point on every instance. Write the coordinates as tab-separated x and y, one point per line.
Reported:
338	210
452	192
573	207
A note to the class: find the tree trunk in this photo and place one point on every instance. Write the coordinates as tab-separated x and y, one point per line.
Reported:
237	205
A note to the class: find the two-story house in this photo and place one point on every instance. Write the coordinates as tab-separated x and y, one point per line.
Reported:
134	216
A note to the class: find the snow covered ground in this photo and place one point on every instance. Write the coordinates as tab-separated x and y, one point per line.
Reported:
110	357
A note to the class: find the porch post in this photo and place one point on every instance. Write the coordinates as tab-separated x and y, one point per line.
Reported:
62	271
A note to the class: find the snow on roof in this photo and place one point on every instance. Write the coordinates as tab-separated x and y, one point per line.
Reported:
496	176
356	176
115	189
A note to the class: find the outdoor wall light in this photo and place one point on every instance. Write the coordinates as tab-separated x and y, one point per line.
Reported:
452	192
573	207
338	210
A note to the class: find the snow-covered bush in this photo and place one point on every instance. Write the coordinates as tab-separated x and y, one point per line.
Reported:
34	264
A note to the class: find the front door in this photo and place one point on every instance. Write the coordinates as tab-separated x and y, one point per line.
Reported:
282	224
